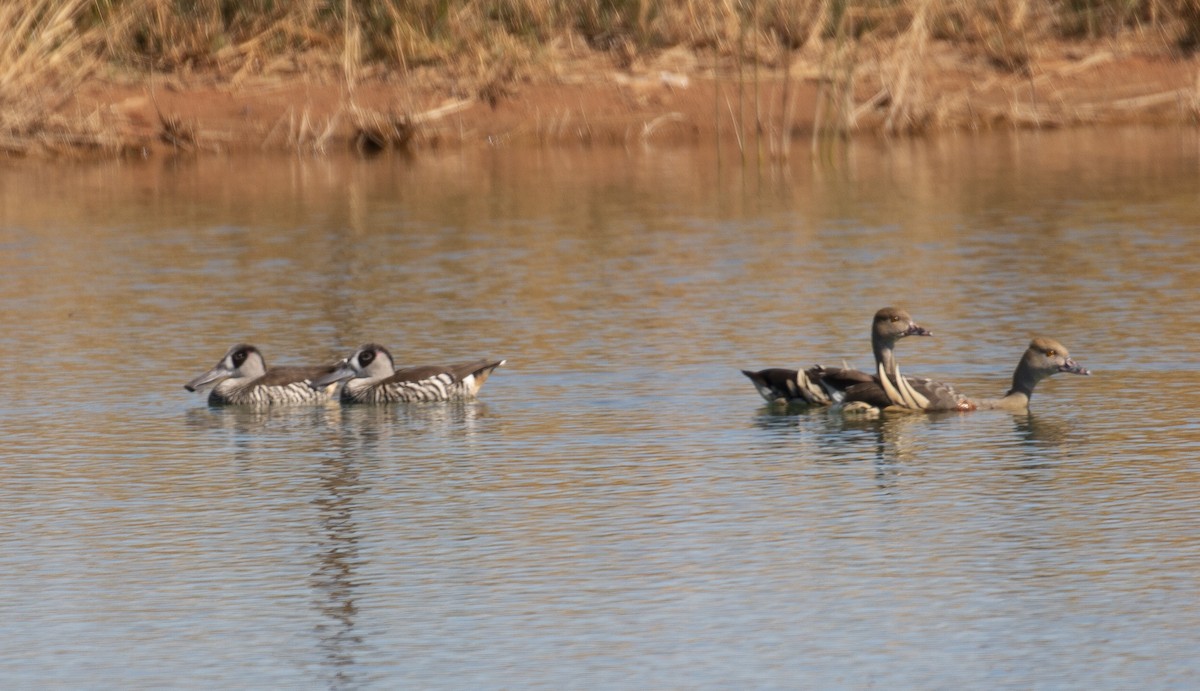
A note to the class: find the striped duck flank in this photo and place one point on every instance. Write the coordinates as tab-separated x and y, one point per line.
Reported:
242	378
1044	357
370	376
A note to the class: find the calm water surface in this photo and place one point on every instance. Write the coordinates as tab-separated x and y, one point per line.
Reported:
619	509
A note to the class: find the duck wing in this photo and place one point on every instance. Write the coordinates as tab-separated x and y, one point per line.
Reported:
787	385
283	376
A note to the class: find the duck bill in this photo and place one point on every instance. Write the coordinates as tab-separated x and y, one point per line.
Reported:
210	377
917	330
338	375
1072	367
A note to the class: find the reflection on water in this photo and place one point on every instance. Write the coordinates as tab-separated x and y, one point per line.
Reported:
334	581
1042	431
619	508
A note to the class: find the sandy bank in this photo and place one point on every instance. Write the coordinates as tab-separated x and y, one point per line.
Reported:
676	96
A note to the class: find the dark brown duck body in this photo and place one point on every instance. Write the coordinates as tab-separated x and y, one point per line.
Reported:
780	385
827	385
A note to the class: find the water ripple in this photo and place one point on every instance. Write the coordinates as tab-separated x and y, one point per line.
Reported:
619	508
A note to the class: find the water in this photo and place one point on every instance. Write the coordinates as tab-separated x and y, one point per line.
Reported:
618	509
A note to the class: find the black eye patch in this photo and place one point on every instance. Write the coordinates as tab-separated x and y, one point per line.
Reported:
240	356
366	357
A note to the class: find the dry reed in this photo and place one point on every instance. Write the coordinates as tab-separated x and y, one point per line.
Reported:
43	58
49	47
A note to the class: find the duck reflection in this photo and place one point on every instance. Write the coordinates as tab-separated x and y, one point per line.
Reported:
890	440
783	417
334	581
893	434
896	441
252	430
789	428
255	434
1040	442
1042	430
365	426
250	420
362	436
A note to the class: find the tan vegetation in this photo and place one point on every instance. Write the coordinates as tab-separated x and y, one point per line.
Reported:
761	70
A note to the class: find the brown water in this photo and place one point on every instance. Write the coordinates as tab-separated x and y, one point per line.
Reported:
619	509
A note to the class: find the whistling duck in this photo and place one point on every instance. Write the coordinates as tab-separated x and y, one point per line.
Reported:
823	386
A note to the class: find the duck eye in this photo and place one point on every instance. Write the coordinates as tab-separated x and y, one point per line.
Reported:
1050	352
239	357
365	357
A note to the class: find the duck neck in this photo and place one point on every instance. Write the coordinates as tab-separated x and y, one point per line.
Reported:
1025	378
885	362
894	386
1023	382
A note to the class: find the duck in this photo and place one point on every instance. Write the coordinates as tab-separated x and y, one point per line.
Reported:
370	376
820	385
1044	357
887	387
242	377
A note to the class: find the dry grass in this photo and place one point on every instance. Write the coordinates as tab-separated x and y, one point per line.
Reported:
42	47
43	57
173	35
485	50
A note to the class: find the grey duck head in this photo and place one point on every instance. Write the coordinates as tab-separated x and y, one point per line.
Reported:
371	361
242	361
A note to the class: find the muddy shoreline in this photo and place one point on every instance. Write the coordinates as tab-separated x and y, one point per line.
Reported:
675	97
